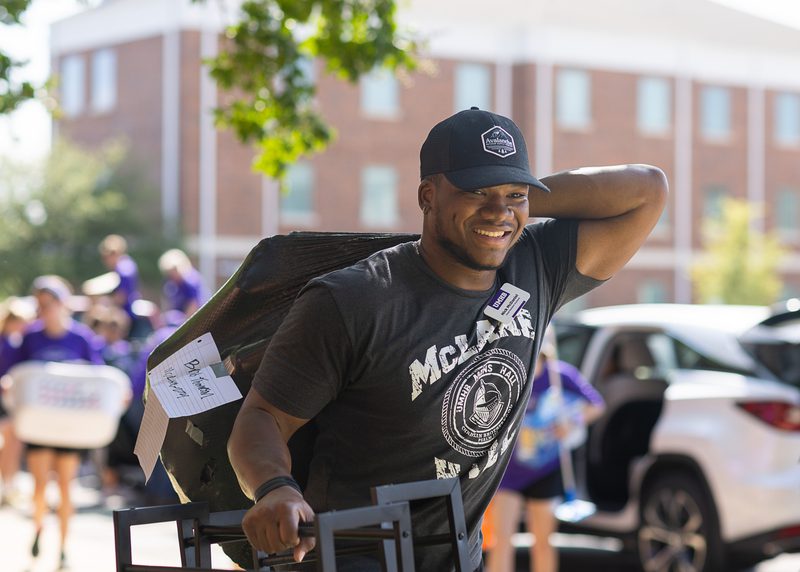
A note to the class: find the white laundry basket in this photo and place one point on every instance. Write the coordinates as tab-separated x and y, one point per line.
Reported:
67	404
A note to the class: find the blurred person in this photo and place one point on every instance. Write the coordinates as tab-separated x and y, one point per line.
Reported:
158	489
15	317
111	324
183	286
55	336
113	250
169	321
533	479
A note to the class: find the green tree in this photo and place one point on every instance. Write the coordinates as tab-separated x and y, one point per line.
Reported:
12	93
269	100
55	215
740	264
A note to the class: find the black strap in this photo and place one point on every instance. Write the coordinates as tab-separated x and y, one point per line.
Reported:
275	483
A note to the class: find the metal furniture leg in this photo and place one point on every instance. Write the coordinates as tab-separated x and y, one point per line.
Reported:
194	554
450	489
328	524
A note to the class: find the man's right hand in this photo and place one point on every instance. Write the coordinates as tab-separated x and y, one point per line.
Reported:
272	524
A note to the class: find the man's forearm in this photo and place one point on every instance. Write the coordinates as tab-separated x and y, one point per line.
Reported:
598	192
257	449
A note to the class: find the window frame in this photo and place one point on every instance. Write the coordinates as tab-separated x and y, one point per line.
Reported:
304	217
643	101
567	122
709	132
72	70
462	80
368	186
98	61
368	86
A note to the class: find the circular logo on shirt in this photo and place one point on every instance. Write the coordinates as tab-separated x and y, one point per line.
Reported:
480	399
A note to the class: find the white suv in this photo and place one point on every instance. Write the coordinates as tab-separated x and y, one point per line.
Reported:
696	461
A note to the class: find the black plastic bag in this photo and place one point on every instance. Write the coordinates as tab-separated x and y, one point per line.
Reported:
242	316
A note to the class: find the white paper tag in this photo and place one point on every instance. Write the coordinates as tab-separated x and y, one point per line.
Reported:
506	303
190	381
152	431
193	389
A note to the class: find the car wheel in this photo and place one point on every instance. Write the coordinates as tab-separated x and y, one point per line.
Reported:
678	531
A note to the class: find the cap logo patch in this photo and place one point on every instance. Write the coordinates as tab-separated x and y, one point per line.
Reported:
498	141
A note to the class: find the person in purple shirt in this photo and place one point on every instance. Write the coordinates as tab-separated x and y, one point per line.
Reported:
113	251
158	489
16	315
183	286
55	336
533	477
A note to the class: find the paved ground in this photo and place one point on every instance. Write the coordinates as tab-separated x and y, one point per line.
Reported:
579	553
91	543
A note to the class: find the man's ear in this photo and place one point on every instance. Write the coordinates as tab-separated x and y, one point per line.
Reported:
425	194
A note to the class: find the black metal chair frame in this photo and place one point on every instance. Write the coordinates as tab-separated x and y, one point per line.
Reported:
450	490
383	529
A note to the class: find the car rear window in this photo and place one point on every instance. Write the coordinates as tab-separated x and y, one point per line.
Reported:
572	342
782	359
688	358
775	343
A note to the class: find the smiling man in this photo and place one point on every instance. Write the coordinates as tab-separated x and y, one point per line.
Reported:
416	362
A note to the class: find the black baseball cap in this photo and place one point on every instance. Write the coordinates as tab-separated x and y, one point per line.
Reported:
476	149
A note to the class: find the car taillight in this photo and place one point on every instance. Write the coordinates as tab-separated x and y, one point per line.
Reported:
778	414
789	532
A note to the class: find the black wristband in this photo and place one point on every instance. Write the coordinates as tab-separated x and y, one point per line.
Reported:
275	483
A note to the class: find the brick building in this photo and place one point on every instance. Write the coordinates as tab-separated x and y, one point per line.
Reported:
708	93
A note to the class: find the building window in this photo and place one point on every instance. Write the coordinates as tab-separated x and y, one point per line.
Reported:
73	85
651	292
787	213
713	200
654	105
473	87
379	196
380	94
104	80
787	118
297	198
715	112
573	99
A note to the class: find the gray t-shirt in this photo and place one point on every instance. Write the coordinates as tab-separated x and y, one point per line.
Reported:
409	380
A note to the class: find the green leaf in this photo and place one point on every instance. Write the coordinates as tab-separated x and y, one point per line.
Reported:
269	101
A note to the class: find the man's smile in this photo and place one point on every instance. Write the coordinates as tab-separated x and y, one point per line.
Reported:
490	233
495	236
